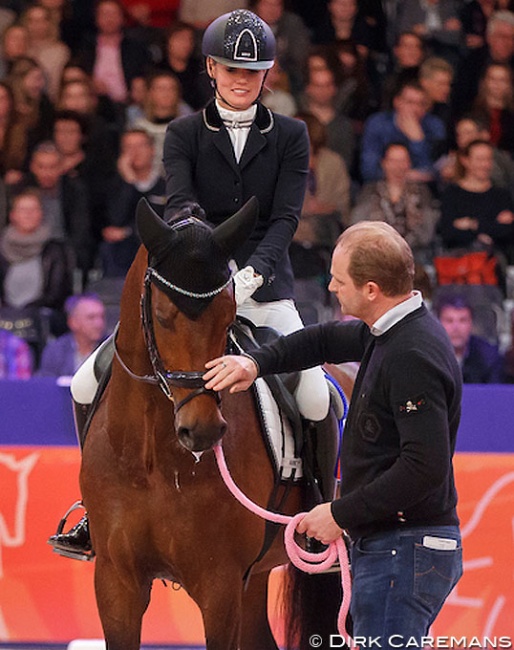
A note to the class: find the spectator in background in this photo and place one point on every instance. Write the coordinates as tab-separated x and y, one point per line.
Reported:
8	156
474	16
201	13
33	113
163	103
112	58
15	357
494	104
292	39
479	360
15	43
180	59
45	47
85	317
326	207
435	77
101	146
64	202
467	129
423	134
354	96
475	213
408	54
320	99
344	21
276	95
35	269
137	178
406	205
437	22
499	49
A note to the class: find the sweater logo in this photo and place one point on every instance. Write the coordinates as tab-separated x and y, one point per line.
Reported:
414	405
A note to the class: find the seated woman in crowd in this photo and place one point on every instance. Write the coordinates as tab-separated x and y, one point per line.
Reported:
406	205
35	271
475	213
494	104
33	112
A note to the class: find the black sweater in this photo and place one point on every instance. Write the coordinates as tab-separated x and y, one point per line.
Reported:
399	439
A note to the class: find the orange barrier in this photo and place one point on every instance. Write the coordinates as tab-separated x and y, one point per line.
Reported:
46	598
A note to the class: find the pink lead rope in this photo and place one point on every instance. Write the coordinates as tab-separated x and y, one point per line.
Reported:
303	560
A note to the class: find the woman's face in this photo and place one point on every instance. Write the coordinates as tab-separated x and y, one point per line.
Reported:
34	83
26	214
15	42
498	83
38	23
236	88
181	44
479	162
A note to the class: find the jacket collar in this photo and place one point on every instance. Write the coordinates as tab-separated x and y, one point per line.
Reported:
263	118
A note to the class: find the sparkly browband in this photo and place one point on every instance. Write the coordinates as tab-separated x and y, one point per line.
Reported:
190	294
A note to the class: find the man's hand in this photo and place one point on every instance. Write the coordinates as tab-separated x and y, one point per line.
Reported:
236	373
320	524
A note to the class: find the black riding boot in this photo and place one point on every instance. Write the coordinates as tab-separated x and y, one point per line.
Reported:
76	543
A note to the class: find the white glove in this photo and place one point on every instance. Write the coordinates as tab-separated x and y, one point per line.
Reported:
246	283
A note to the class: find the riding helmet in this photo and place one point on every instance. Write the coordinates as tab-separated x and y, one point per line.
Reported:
240	39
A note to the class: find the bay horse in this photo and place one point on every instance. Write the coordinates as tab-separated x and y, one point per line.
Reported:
157	505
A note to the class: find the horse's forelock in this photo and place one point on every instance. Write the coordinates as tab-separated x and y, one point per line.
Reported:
193	261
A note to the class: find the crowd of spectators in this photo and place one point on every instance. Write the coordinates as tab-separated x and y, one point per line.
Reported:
409	106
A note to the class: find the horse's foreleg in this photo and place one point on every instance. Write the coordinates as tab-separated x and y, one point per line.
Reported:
219	600
256	633
121	601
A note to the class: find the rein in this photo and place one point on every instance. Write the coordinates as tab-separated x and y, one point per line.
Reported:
303	560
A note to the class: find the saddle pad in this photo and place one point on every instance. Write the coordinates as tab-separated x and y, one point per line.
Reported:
278	434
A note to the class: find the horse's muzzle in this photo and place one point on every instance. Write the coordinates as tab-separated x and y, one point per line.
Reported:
199	433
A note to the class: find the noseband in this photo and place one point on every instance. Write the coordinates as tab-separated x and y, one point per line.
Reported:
168	379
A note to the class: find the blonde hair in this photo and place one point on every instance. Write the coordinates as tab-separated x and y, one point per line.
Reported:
378	253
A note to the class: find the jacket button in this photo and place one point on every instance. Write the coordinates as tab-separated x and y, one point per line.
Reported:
236	200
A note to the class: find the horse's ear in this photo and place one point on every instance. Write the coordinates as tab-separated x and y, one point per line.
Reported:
233	232
154	232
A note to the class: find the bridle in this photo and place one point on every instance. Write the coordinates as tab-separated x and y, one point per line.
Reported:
162	377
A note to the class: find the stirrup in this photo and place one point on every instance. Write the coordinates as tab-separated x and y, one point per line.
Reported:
85	556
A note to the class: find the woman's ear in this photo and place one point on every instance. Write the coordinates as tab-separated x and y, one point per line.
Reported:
210	67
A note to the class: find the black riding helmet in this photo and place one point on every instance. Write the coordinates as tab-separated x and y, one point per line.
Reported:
240	39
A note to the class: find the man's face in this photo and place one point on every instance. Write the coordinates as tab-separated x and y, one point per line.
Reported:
438	86
458	323
350	297
140	151
501	42
321	87
409	51
46	167
411	102
88	320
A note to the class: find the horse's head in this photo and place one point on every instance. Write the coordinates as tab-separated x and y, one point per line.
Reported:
187	307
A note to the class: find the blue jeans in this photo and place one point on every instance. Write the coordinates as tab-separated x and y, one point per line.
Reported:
401	579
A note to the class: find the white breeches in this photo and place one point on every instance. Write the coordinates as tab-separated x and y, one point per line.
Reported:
311	394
